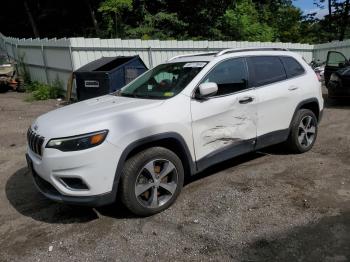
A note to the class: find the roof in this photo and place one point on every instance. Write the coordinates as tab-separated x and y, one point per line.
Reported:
212	55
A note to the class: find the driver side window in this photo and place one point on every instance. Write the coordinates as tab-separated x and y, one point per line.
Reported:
231	76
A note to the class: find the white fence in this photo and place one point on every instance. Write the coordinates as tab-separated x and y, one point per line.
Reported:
320	51
48	59
45	59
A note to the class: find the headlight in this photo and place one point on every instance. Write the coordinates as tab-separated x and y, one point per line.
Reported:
75	143
334	77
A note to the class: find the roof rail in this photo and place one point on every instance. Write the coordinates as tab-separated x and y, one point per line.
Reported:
197	54
236	50
232	50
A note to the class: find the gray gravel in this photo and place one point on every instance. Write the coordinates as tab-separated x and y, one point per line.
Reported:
266	206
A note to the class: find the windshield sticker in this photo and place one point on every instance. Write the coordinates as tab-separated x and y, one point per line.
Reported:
168	94
195	64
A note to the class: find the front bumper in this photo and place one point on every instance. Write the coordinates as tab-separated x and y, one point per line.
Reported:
96	167
52	193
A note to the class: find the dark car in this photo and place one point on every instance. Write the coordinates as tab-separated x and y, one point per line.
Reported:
337	75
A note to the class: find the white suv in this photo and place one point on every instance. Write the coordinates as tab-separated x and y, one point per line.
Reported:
173	121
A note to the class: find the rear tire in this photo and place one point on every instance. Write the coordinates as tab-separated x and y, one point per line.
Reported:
303	132
4	88
151	181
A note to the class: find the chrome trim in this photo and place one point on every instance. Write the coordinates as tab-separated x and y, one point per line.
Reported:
35	142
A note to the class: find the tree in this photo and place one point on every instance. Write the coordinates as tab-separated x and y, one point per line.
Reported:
336	22
344	18
31	19
242	23
160	26
241	20
93	17
115	7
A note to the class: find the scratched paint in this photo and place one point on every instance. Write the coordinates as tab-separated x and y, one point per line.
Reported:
223	135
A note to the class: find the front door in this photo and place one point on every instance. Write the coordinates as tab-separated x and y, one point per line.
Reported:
335	61
224	125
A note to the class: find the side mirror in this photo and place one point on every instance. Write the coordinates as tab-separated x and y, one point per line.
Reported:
207	89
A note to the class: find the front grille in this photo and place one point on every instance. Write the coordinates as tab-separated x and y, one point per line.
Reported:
35	142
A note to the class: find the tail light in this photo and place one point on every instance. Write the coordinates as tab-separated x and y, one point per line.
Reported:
318	76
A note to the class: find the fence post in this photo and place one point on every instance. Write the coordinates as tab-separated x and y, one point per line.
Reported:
45	63
150	57
71	57
13	51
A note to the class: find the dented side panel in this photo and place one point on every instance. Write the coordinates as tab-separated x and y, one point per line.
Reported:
222	122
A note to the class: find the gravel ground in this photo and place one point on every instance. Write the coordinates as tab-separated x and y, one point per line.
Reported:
266	206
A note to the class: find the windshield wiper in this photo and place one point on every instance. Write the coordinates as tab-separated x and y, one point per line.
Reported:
141	96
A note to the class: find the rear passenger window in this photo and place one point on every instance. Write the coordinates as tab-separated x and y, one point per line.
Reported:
231	76
292	66
266	70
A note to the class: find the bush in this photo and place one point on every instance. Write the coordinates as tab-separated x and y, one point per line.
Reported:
40	91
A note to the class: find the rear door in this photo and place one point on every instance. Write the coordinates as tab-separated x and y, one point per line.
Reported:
277	97
335	61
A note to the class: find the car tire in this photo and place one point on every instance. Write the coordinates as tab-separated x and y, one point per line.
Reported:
303	131
4	88
156	169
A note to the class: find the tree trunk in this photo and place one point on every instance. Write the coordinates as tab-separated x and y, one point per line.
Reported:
116	24
93	17
345	19
330	8
330	27
31	19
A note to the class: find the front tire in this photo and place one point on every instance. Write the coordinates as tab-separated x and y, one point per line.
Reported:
151	181
303	131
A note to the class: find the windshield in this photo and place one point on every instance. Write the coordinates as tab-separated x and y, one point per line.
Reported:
163	81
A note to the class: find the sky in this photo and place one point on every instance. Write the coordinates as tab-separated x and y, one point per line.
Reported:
308	7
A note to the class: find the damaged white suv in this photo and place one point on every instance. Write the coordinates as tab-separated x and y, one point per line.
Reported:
173	121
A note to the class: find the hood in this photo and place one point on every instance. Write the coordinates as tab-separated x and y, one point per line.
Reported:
6	69
89	115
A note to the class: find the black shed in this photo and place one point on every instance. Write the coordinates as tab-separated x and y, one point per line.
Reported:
106	75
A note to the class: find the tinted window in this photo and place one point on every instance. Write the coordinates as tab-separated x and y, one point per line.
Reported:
230	76
293	68
335	58
266	70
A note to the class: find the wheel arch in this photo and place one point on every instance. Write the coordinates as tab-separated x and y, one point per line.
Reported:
171	140
311	104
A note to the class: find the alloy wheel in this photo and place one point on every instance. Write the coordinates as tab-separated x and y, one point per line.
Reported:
156	183
307	131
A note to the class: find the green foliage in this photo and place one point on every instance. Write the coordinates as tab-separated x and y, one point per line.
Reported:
161	26
115	6
41	91
243	22
240	20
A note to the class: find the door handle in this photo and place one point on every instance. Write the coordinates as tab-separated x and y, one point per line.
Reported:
246	100
292	88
